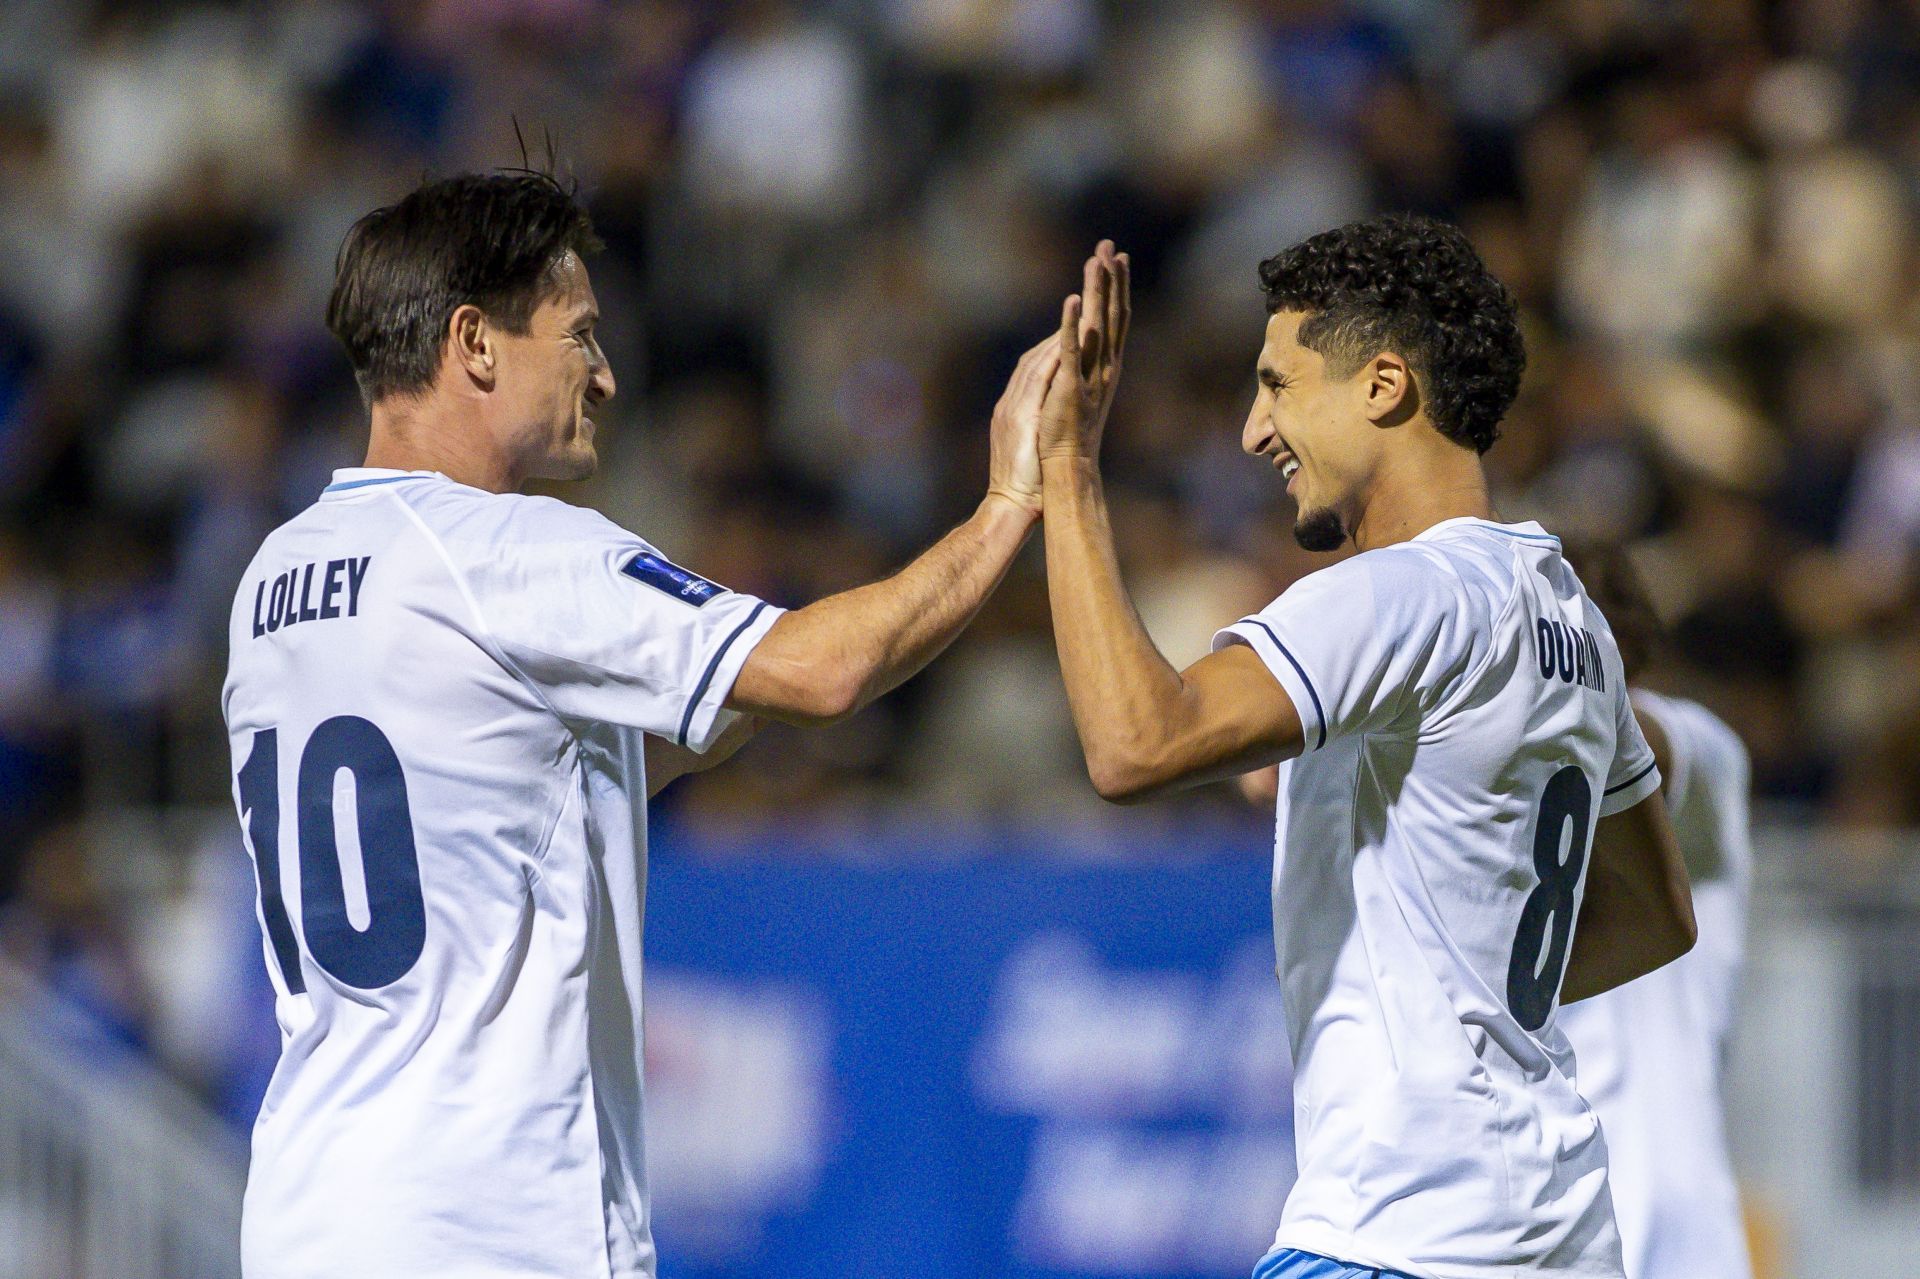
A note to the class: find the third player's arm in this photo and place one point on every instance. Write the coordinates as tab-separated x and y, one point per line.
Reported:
1638	912
821	663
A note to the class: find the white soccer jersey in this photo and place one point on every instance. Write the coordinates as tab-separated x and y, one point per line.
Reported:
1649	1052
1466	725
436	701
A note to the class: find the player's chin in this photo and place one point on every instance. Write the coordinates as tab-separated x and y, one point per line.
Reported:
577	461
1319	530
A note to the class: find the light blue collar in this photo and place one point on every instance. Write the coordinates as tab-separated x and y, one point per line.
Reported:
1530	530
348	478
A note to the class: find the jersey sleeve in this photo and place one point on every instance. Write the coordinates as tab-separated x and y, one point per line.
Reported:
1634	775
608	629
1365	646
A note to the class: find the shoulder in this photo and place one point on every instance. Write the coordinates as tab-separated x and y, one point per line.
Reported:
1406	588
525	562
1402	574
456	513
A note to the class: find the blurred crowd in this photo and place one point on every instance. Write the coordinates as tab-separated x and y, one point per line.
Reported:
833	226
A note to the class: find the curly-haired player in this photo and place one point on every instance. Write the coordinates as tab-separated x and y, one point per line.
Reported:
1411	286
1461	778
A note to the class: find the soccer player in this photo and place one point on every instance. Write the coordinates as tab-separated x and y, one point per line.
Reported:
1650	1053
448	704
1462	776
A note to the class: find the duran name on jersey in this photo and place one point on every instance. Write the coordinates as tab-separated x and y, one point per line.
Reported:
1466	726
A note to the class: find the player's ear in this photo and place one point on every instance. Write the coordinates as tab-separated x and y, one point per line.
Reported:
470	340
1387	389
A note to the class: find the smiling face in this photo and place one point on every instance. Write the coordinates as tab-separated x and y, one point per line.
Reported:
1319	430
551	377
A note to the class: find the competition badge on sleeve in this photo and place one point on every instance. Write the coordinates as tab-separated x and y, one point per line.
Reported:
670	579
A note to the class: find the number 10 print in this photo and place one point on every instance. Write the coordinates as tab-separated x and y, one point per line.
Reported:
396	932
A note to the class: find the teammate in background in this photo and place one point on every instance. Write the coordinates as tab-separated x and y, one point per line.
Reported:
1462	775
448	704
1649	1054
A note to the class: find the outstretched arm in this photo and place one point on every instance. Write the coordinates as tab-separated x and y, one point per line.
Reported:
1145	727
820	664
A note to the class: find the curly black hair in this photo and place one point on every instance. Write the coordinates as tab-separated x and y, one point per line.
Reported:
1414	286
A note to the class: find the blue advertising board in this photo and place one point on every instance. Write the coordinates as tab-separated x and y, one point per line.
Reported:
993	1068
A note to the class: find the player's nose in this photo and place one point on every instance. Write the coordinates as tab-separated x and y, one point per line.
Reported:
600	385
1258	434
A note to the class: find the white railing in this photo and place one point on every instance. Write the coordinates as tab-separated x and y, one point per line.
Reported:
107	1169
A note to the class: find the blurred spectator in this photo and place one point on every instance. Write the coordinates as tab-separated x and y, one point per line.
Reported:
62	929
774	117
1660	250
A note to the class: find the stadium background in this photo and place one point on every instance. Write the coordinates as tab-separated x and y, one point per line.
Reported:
918	1003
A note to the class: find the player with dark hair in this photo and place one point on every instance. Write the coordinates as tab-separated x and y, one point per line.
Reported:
400	274
448	704
1410	286
1460	773
1650	1053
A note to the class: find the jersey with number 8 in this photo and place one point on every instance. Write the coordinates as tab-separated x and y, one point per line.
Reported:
436	702
1466	725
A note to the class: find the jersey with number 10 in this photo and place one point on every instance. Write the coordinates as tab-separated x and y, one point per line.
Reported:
436	700
1467	724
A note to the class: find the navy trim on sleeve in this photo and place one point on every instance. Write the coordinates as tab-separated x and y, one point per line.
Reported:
1651	765
693	703
1302	672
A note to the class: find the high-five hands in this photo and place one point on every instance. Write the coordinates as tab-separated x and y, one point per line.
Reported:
1013	466
1056	402
1092	336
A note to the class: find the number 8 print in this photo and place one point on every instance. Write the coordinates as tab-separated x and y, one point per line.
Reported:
1546	921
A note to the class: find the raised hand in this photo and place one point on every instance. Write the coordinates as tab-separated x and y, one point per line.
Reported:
1092	337
1013	467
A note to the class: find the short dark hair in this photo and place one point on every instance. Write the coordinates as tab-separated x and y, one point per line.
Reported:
1615	585
1414	286
488	239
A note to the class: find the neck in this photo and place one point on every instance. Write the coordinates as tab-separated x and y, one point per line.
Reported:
430	434
1418	488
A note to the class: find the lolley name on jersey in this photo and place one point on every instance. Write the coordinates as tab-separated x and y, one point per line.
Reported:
437	699
293	597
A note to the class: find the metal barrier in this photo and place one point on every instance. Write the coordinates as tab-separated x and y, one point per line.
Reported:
107	1170
1824	1076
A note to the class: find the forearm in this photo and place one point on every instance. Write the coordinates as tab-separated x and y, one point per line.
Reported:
826	661
1637	914
1126	697
1618	941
